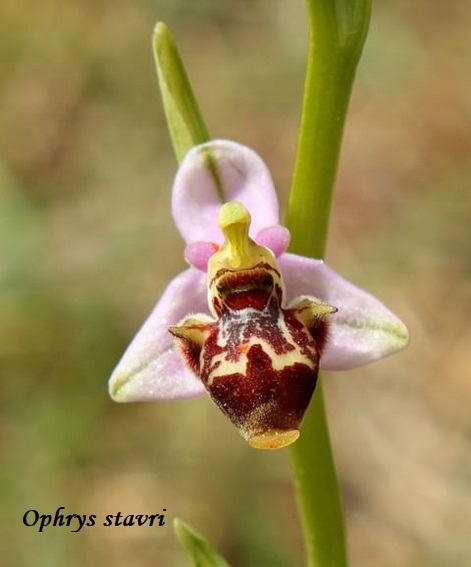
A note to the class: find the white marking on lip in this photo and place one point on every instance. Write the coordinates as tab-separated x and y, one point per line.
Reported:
237	324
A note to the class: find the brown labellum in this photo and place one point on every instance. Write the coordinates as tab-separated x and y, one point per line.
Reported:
258	360
259	365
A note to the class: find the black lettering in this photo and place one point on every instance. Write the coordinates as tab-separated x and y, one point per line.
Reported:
129	520
109	520
81	520
25	517
152	518
162	519
117	522
139	519
45	521
58	518
69	518
91	520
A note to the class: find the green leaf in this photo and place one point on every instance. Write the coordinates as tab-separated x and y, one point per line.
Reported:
200	549
184	120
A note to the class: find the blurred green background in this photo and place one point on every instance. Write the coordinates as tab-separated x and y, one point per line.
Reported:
87	244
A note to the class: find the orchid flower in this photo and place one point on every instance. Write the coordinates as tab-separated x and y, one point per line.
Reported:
248	322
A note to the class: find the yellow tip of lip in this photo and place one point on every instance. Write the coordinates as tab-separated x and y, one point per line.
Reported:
274	439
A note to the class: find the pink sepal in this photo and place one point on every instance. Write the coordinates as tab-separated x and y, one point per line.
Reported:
217	172
151	369
363	329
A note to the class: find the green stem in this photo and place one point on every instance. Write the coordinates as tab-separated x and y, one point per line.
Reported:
337	33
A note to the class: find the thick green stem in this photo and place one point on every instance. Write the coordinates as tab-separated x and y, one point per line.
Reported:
337	33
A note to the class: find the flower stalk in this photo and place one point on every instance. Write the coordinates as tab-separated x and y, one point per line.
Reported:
337	34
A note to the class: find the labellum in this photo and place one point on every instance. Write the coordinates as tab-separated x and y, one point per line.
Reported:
258	359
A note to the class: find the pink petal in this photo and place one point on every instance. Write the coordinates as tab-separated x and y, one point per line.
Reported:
197	254
214	173
363	329
275	237
151	369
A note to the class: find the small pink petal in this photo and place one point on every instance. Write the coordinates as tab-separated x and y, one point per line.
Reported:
274	237
151	369
363	329
214	173
197	254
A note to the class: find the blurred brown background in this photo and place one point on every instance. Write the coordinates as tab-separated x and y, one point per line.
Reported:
87	245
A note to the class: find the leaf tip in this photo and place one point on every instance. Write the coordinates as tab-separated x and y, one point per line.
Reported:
161	32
